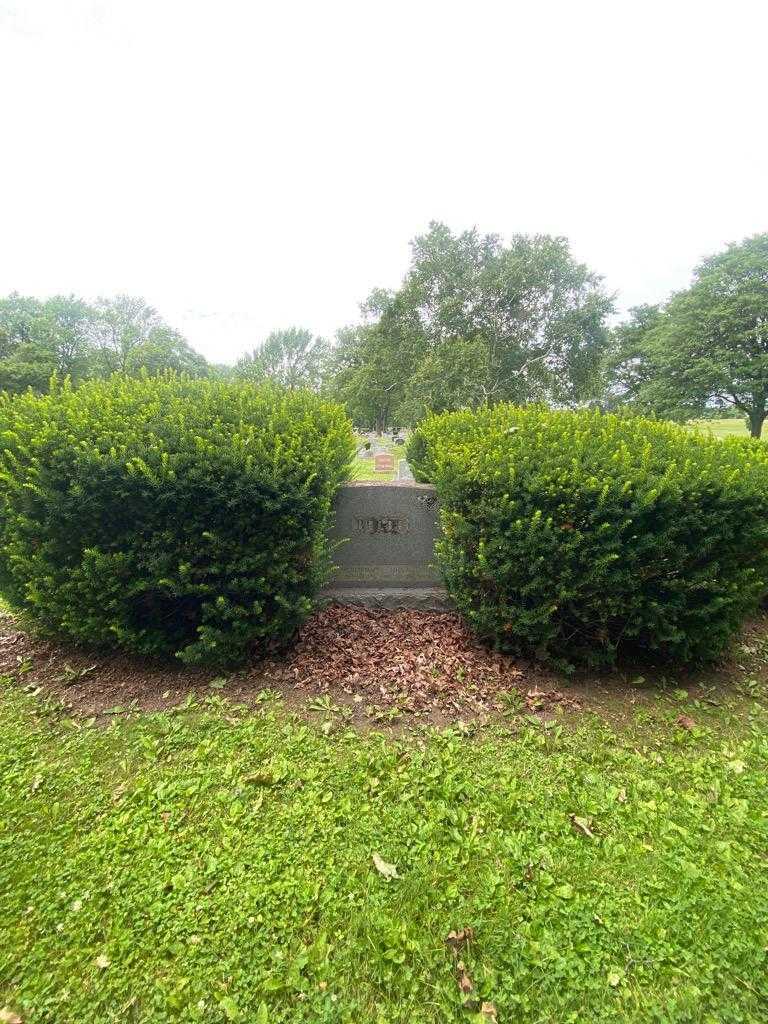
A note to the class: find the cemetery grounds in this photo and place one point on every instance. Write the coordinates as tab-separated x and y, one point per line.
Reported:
727	427
363	467
390	824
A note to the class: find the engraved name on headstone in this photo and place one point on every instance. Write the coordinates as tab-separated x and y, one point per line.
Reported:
383	462
381	524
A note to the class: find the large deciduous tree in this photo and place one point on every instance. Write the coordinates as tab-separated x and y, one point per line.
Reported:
709	345
123	324
629	365
478	321
293	357
39	338
166	349
363	375
129	337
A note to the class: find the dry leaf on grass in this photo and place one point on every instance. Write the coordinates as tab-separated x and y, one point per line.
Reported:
582	825
686	722
385	869
465	982
7	1016
456	939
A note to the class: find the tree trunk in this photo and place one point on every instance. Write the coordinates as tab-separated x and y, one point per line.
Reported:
756	420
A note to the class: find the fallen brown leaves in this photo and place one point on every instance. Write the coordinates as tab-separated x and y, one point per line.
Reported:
459	942
456	942
456	939
415	661
582	825
384	663
389	871
465	982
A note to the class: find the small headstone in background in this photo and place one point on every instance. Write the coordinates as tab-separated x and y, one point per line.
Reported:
404	471
383	462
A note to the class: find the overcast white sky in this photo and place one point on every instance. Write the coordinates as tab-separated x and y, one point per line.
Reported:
246	166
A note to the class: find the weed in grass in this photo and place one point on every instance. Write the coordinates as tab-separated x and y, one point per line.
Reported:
750	687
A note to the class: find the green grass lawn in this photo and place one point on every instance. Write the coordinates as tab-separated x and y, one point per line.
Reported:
215	864
722	428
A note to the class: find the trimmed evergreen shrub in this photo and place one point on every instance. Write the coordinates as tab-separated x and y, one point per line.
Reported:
167	515
574	536
416	452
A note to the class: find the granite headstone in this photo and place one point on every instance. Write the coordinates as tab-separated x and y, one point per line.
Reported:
384	536
404	471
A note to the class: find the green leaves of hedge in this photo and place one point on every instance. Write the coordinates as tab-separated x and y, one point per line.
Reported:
168	515
573	536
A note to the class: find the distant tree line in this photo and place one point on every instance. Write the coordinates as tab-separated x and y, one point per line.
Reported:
474	322
477	322
70	337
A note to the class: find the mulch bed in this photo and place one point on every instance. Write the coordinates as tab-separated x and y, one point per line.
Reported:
382	664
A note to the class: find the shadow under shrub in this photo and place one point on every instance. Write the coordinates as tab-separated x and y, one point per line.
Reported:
571	536
166	515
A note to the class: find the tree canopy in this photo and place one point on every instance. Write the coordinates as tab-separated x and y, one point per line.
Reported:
477	321
39	338
293	357
708	345
70	337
